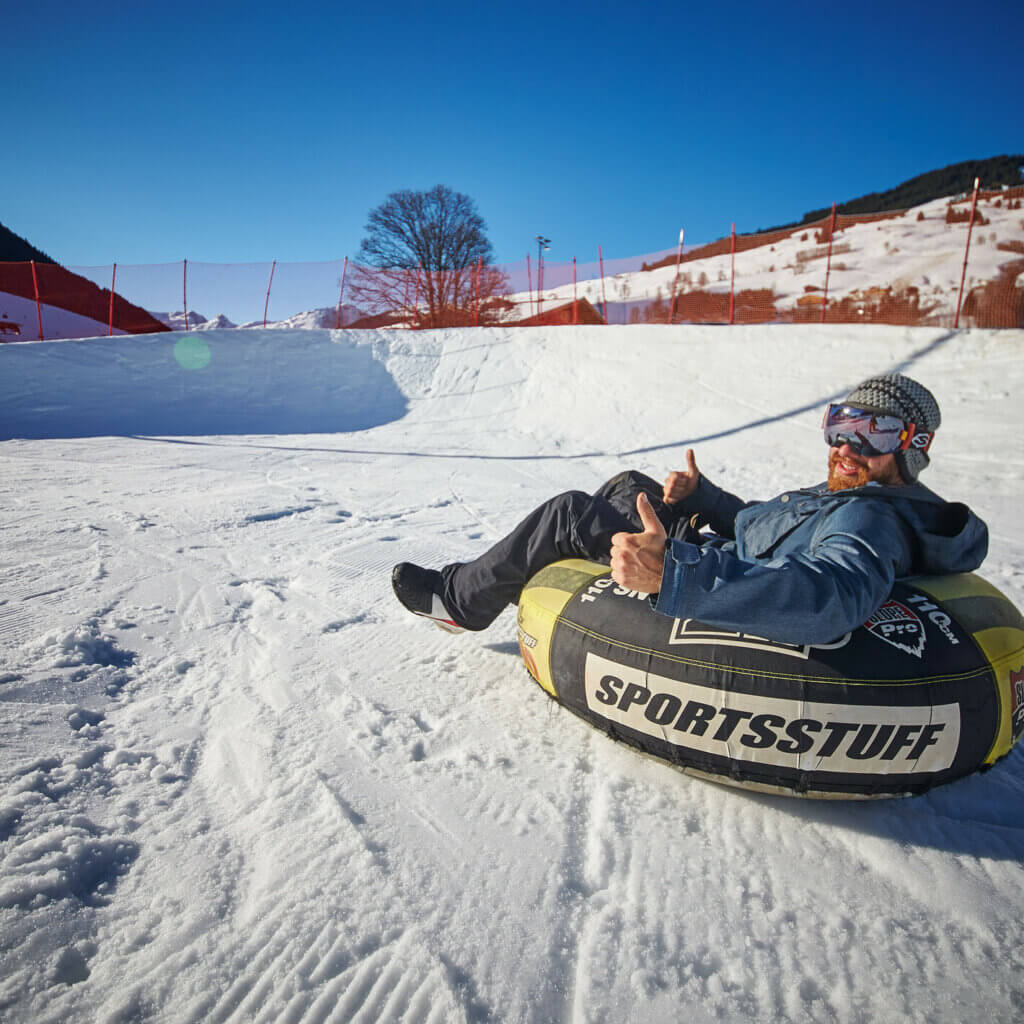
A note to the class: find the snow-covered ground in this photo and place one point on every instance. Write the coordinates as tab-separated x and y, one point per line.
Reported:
239	783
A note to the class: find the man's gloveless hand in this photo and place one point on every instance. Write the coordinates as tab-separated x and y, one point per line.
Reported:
637	558
680	484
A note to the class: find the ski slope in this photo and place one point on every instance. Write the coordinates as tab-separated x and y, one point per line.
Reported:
239	783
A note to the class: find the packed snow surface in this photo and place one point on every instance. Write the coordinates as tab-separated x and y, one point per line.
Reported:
239	783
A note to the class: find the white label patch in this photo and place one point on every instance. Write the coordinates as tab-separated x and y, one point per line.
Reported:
803	735
898	625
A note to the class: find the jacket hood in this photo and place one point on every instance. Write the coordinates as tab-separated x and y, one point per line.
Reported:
950	537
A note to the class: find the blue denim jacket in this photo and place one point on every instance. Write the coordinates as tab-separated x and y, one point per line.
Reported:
810	565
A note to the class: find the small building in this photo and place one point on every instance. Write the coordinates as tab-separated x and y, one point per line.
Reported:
579	311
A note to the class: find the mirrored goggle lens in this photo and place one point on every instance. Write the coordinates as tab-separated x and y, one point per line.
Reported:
867	433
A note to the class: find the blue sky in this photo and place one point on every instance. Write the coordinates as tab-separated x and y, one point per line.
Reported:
248	132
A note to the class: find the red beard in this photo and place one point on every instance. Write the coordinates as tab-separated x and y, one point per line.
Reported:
841	481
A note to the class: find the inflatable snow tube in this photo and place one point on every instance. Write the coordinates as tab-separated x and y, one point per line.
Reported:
928	690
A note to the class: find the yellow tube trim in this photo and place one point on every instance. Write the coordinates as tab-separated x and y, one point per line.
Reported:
961	584
542	602
1003	646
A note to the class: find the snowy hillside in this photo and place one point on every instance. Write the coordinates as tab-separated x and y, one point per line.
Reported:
915	250
19	321
239	783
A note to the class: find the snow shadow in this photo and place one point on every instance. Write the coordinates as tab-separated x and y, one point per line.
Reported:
222	382
981	815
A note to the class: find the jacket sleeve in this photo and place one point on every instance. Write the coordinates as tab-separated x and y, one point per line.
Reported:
716	507
812	596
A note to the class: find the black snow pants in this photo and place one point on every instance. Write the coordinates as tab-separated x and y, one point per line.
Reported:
570	525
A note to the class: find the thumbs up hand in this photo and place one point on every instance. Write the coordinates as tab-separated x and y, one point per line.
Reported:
637	558
681	484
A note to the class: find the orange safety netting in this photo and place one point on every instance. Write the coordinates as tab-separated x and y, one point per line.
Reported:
49	292
951	263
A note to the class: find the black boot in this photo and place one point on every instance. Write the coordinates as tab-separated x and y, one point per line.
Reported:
419	590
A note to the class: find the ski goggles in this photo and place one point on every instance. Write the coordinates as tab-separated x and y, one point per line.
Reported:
871	433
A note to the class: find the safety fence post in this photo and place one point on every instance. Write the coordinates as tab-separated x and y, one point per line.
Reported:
266	305
416	300
113	280
828	262
341	296
529	283
675	280
184	292
604	297
479	268
967	249
732	276
575	306
39	311
540	283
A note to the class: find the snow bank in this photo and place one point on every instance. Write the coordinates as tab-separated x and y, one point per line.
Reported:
228	382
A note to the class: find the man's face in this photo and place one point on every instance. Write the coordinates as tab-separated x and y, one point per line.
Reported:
848	469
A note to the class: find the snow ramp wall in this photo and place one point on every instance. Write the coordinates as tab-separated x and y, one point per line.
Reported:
184	384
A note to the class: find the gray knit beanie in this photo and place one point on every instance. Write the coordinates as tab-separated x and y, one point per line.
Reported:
897	395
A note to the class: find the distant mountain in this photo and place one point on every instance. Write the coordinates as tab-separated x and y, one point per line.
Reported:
946	181
177	321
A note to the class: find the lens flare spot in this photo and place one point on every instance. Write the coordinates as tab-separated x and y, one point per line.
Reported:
192	353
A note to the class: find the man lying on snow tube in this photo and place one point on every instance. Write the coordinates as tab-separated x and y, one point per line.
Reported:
803	569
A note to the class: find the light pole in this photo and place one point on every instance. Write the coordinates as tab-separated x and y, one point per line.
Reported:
542	244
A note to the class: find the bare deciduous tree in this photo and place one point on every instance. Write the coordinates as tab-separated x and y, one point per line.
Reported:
426	259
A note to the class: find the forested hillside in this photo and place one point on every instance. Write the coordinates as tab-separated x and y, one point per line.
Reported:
14	249
946	181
